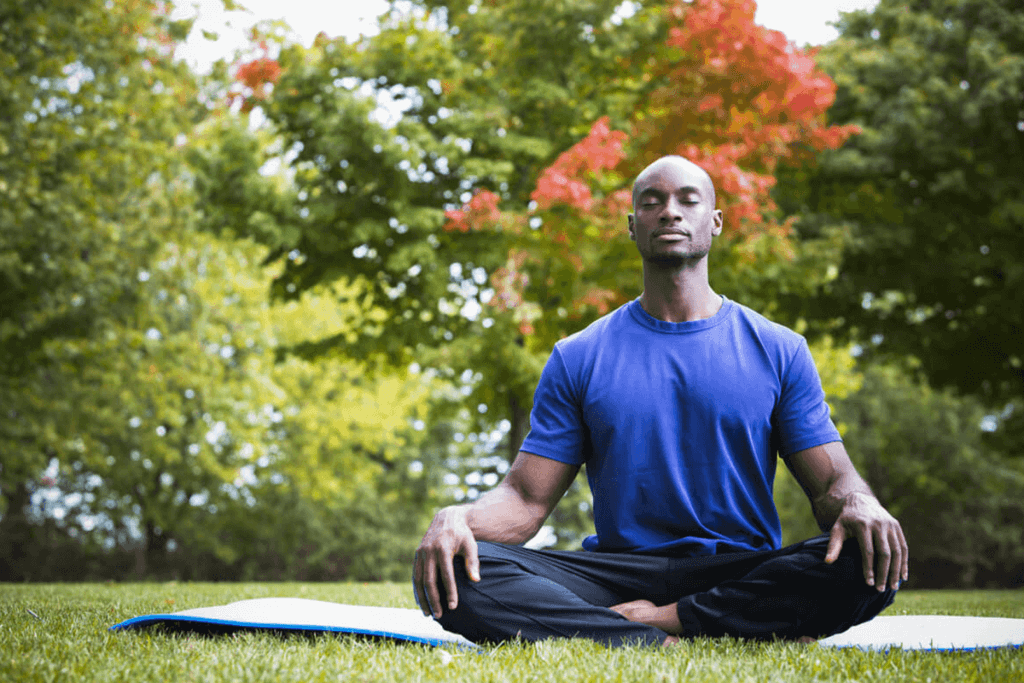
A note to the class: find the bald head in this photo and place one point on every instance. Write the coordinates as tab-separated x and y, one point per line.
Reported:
699	174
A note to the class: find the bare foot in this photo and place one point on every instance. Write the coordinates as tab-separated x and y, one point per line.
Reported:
806	640
636	611
670	640
646	612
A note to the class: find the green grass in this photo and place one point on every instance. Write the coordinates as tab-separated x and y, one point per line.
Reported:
68	640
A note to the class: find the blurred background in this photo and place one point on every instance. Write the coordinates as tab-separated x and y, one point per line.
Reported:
277	283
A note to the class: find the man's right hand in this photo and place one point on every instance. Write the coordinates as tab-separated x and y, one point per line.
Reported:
449	535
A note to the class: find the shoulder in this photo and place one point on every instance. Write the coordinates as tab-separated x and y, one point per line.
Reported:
602	331
766	331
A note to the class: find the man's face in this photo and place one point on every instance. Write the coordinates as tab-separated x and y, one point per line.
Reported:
674	219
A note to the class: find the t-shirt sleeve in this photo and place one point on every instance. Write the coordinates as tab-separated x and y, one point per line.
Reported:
557	430
802	419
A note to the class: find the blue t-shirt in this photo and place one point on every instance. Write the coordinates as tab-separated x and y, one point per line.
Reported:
679	425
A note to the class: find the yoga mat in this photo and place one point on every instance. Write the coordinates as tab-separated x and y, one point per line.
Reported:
307	616
930	632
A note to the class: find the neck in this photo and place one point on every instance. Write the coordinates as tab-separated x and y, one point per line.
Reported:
679	294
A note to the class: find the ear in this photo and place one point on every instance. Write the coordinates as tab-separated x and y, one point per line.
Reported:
632	231
718	219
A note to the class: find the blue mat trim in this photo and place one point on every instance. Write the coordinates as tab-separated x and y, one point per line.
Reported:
188	623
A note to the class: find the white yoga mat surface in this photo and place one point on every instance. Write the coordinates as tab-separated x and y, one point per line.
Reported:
930	632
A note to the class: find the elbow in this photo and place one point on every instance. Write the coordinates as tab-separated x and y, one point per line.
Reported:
525	527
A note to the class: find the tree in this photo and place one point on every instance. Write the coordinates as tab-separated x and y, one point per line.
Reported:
486	220
465	291
144	410
179	436
90	104
930	194
923	453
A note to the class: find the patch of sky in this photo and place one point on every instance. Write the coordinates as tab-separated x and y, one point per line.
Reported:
217	433
246	476
622	12
544	538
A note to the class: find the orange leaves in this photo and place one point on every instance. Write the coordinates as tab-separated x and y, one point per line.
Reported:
564	182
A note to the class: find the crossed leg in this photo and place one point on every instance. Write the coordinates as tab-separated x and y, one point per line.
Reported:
536	594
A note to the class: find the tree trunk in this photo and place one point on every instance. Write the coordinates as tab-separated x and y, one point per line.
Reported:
15	534
520	420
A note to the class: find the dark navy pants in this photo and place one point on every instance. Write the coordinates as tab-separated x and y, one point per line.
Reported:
538	594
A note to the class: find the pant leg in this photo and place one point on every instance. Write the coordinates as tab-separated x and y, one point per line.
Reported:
786	594
538	594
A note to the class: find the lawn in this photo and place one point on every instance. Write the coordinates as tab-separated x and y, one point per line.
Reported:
59	633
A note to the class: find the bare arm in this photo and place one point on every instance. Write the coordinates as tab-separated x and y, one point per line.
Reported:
510	513
844	505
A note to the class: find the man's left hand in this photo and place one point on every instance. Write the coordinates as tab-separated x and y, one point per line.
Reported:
883	547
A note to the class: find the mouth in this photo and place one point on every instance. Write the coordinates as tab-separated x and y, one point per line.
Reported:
669	235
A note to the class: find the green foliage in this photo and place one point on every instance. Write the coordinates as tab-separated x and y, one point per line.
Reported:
930	194
70	639
156	402
148	426
923	454
89	108
367	196
370	202
196	441
926	205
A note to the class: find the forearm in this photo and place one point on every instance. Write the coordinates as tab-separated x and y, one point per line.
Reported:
830	481
841	491
502	515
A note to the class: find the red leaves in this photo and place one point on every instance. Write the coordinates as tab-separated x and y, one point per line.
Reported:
256	78
710	102
737	99
480	212
564	182
257	73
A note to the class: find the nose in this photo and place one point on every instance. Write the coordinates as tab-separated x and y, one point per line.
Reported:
673	211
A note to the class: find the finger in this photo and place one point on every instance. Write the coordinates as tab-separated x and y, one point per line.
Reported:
430	579
448	576
883	559
897	560
472	561
905	564
906	556
867	554
835	543
417	584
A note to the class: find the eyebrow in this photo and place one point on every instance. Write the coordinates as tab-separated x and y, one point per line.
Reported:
685	189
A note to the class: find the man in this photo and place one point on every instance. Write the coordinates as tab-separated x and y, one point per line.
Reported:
677	403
